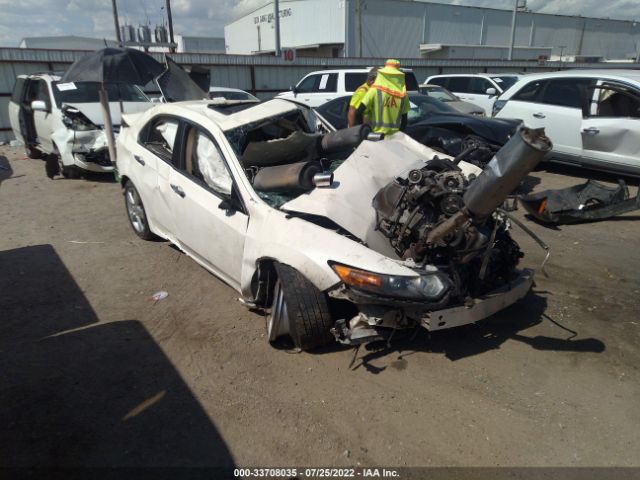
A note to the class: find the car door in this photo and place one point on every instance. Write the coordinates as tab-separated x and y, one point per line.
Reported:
153	158
210	220
43	120
611	129
15	104
556	105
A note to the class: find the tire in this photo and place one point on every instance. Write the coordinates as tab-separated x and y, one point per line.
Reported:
300	310
136	212
51	166
33	152
67	171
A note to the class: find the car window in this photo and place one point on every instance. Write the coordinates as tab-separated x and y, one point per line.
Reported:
505	82
423	107
37	90
16	96
308	84
459	84
335	112
205	162
353	80
479	85
159	136
566	92
615	101
411	82
328	82
531	92
442	81
438	93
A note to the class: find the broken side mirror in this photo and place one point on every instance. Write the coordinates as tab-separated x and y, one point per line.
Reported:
227	205
38	106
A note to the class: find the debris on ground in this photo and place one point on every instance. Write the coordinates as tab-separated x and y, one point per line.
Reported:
580	203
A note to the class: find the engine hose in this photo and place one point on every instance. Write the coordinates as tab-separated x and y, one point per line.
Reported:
535	238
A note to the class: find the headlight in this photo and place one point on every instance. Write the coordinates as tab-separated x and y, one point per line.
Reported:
430	287
76	120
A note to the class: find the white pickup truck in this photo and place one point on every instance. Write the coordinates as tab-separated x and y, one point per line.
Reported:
324	85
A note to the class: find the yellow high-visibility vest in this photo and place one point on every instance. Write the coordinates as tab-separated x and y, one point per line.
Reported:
386	101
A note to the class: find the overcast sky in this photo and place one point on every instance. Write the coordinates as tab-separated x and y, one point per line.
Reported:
28	18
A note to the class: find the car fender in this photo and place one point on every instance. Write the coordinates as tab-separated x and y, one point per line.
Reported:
308	248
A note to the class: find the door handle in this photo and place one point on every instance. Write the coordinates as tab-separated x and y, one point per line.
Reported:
539	115
591	131
140	160
178	190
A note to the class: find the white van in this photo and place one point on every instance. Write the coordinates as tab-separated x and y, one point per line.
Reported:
480	89
65	119
324	85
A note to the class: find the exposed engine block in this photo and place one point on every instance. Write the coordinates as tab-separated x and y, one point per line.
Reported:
409	208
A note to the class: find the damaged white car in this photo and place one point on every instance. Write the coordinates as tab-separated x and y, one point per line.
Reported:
65	120
339	236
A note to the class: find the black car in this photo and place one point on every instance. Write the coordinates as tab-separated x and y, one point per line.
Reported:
440	127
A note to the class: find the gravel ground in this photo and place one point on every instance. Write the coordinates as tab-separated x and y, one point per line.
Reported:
96	375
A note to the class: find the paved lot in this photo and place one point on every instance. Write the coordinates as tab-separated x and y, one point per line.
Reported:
94	374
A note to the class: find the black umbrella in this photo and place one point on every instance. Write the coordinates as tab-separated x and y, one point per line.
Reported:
119	65
113	65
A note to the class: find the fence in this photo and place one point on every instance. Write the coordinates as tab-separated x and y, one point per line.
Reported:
263	76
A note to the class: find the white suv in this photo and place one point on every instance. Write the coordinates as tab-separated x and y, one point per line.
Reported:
65	119
592	116
480	89
324	85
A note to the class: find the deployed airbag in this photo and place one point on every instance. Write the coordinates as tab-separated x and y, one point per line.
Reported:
294	148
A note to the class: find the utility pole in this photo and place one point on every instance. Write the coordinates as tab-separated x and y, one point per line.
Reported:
276	5
170	21
116	22
513	28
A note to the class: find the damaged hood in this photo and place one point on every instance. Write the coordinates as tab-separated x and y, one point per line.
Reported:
93	111
348	202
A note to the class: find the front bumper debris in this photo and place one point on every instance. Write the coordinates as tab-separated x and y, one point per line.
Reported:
375	322
482	307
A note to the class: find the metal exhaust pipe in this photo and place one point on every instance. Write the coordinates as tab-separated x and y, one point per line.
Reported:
323	180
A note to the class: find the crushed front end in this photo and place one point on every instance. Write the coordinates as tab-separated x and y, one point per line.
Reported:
81	143
448	228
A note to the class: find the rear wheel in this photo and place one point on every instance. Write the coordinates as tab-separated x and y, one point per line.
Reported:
299	310
136	213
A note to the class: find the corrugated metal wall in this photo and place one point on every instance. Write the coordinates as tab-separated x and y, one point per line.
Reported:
388	28
264	76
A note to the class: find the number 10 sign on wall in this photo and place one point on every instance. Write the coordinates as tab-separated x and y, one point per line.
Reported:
288	54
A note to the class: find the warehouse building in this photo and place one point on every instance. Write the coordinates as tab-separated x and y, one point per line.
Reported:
410	29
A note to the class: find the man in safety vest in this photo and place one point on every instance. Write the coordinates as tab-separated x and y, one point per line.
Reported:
353	117
385	105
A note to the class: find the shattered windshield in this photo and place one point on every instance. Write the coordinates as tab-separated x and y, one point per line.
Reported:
423	107
87	92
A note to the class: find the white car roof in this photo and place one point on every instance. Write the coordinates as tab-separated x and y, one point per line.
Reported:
604	73
230	121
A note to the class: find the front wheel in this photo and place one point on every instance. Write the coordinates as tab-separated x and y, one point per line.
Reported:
136	212
299	310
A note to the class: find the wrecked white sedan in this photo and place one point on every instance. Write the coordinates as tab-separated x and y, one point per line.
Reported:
65	120
336	235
